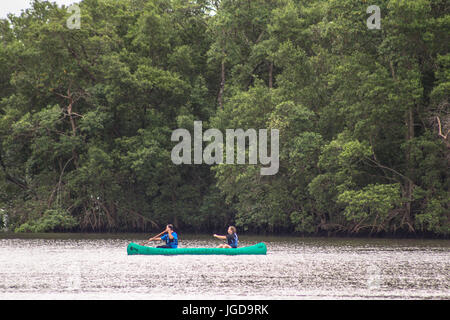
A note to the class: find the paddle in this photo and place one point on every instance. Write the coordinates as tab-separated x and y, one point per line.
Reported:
153	238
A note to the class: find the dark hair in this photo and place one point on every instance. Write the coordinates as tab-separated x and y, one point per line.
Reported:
170	226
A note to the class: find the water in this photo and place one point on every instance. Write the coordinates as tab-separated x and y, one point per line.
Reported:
97	267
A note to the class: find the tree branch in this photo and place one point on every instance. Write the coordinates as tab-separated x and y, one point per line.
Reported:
440	129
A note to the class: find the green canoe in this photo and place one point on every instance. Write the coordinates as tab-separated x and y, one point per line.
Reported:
134	248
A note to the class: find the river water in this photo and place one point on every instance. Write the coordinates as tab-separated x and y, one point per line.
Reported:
69	266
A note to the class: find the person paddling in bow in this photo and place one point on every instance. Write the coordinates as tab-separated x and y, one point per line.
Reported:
170	237
231	237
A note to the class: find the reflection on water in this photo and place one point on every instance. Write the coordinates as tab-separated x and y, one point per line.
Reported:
92	267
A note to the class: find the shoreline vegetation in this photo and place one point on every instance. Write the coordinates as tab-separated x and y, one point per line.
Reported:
86	117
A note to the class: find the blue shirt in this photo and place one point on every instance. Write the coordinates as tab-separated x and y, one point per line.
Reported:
232	240
173	243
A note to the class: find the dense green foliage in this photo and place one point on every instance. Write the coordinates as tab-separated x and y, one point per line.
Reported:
86	115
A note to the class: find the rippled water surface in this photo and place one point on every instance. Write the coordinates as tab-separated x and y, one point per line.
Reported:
91	267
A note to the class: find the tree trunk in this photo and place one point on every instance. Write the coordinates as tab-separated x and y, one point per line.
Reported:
409	122
408	184
222	86
70	96
270	74
74	131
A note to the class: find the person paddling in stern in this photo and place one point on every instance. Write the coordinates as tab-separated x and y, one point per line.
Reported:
231	237
170	237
